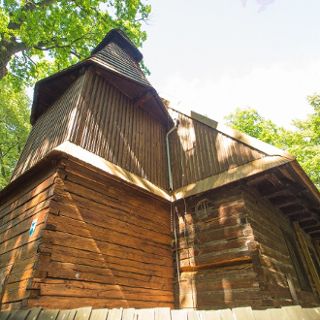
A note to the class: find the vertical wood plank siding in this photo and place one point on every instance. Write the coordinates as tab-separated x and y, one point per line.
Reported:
101	119
109	125
50	130
199	151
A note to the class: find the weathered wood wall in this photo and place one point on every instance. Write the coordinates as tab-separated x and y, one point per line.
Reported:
105	245
111	126
51	129
232	252
274	263
215	249
98	117
199	151
19	249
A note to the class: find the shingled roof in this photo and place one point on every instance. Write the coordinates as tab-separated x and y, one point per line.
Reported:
117	56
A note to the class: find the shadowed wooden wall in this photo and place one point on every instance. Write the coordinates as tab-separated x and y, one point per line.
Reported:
199	151
18	248
233	252
98	117
103	244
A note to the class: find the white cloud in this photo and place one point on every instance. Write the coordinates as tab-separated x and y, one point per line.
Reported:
278	92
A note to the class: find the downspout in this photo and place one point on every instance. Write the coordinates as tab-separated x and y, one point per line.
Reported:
168	154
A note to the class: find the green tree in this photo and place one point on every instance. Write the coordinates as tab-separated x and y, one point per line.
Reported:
252	123
14	127
40	37
303	141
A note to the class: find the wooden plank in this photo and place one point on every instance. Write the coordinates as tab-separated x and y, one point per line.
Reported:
226	314
85	230
261	315
34	313
4	315
193	314
29	192
105	275
311	313
19	314
67	302
145	314
83	313
128	314
115	314
210	315
47	314
243	313
99	314
64	254
162	314
277	314
179	314
112	193
112	169
59	238
312	271
229	176
104	291
293	312
66	315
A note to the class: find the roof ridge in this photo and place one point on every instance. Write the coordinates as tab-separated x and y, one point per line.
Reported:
242	137
120	38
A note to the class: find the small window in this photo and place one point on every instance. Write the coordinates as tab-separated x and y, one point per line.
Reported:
297	262
204	208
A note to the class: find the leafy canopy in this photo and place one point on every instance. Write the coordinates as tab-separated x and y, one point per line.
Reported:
40	37
303	141
14	127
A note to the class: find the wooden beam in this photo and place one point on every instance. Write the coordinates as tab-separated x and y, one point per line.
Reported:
110	168
315	235
291	208
282	201
229	176
312	229
278	193
217	264
140	101
308	222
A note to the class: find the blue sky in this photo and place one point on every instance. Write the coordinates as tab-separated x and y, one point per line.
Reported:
214	56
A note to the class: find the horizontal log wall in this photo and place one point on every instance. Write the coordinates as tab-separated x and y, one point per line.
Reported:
199	151
274	263
105	245
19	249
215	248
110	125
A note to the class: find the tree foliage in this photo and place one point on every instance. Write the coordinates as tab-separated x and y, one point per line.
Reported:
14	127
303	141
40	37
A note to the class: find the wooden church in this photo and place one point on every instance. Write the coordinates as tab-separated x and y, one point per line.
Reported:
119	200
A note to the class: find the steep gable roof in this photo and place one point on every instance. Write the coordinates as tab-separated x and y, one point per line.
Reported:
118	37
119	59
